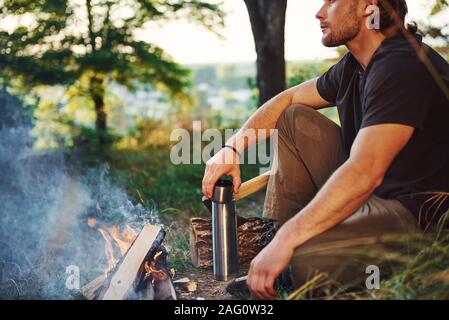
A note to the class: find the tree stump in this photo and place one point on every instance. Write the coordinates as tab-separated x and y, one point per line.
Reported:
253	235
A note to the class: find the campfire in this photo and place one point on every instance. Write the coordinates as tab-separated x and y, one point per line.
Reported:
137	265
137	261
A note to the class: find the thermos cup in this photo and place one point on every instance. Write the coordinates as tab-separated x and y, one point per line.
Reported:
224	231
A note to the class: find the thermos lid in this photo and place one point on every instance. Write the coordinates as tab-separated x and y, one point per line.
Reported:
223	191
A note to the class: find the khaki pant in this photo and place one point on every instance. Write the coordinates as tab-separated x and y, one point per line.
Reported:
309	151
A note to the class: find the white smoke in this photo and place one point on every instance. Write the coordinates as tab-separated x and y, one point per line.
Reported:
44	206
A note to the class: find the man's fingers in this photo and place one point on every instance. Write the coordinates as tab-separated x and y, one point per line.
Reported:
256	286
236	181
251	281
269	286
263	286
210	186
222	163
206	181
257	283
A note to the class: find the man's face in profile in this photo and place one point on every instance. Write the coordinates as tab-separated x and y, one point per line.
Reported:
339	21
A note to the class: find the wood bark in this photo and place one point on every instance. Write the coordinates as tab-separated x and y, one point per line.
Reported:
267	19
97	92
253	235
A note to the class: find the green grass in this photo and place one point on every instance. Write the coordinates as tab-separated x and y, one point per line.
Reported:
149	176
179	246
420	274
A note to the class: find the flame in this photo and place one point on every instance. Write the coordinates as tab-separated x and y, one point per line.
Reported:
151	269
109	249
123	238
114	238
91	222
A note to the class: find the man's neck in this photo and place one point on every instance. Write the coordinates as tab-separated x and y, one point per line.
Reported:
365	45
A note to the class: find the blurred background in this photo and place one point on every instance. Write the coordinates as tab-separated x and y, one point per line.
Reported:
93	88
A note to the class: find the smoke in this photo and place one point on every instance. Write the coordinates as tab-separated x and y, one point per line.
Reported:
44	206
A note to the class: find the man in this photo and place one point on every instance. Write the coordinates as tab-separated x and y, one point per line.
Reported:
337	189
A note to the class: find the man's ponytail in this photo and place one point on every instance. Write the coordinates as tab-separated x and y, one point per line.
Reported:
394	11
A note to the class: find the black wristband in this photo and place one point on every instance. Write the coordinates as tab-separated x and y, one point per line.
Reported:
231	147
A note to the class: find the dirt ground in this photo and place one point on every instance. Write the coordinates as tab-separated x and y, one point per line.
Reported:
207	287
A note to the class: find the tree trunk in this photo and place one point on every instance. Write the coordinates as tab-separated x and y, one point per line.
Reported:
268	25
97	89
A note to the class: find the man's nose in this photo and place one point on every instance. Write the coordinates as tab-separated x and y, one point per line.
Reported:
320	15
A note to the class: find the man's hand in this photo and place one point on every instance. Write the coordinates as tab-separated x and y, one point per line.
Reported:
265	118
224	162
267	266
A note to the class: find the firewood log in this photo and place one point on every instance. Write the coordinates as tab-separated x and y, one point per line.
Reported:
128	280
253	235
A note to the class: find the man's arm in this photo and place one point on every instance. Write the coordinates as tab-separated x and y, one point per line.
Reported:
346	191
352	184
264	119
268	114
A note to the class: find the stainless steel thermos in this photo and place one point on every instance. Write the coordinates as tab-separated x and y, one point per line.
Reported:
224	231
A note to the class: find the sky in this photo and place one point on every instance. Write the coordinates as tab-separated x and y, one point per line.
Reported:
191	44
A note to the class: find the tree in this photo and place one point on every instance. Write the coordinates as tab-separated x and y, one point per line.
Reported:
63	41
267	19
439	33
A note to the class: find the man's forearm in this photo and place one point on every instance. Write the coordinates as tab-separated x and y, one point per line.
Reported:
345	192
258	126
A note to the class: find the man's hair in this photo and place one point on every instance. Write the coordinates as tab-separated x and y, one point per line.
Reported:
393	10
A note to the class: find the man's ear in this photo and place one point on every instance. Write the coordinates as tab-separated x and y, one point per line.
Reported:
368	4
372	14
371	2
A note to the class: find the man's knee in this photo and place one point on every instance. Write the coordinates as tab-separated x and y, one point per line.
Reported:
289	115
308	123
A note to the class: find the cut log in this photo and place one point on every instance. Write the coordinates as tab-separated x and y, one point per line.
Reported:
134	275
186	284
90	289
253	235
127	271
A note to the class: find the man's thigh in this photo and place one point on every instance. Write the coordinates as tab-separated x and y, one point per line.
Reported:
344	252
309	150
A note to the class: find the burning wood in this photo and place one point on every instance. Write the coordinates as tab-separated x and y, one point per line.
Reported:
141	273
122	240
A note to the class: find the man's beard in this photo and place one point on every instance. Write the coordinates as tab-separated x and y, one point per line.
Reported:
348	29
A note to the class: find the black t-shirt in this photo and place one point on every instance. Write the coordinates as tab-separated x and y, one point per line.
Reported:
396	87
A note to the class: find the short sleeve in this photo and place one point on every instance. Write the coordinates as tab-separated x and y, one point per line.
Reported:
329	82
397	91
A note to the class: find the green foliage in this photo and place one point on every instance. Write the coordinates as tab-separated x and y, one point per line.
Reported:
440	33
253	101
59	42
63	42
149	174
439	6
298	73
